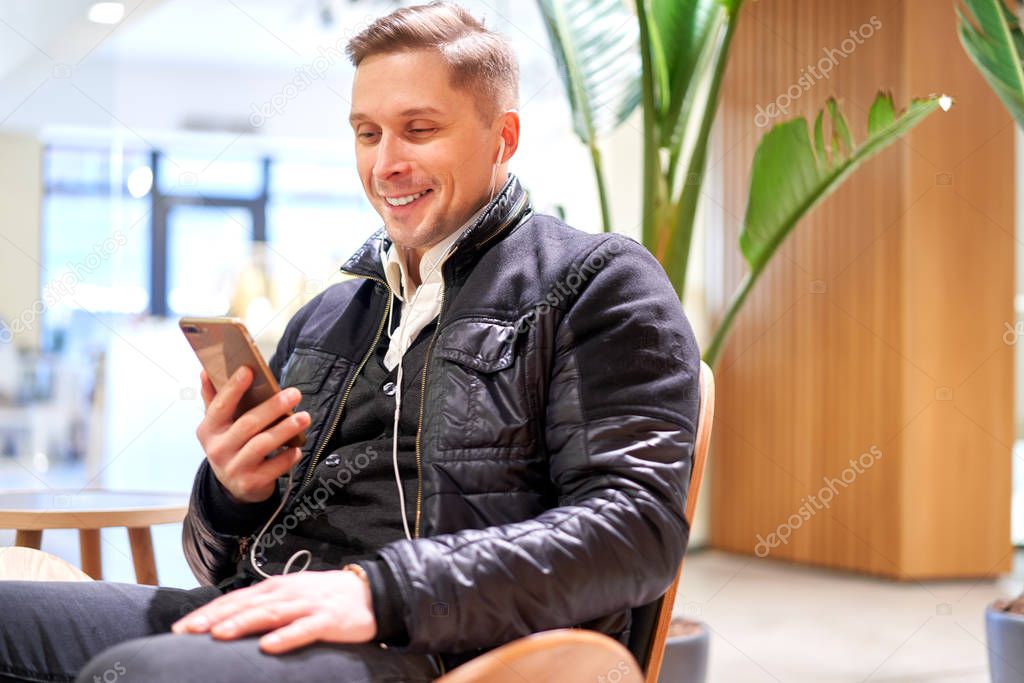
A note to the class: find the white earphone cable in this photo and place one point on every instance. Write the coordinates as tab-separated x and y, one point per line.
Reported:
402	345
296	555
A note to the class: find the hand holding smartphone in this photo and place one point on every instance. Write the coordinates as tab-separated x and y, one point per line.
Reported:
248	417
223	345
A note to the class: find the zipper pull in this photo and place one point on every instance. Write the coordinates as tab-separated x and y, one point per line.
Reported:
243	545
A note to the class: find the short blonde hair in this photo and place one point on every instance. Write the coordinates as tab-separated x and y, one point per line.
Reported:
479	60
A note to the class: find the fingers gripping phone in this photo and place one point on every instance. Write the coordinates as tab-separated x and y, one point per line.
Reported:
223	345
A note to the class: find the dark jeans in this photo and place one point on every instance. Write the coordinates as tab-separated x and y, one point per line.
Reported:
120	633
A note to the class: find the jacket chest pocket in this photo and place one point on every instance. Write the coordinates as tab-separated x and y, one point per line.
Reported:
483	397
317	375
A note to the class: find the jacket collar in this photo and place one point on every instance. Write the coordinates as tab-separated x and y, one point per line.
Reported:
508	208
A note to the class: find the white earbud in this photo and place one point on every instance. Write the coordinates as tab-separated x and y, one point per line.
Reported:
497	163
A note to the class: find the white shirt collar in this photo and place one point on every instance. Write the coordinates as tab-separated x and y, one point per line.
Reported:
395	267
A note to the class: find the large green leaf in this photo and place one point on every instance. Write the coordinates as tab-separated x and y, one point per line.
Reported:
596	45
996	45
790	175
685	46
684	36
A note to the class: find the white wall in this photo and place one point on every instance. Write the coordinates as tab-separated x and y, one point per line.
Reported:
20	203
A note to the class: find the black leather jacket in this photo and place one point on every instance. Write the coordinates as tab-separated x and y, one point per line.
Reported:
556	432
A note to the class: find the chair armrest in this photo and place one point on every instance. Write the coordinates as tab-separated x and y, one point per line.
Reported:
558	656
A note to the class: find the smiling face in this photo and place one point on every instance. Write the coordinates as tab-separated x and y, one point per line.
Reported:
424	154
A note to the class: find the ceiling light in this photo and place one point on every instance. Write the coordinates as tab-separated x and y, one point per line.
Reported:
106	12
140	182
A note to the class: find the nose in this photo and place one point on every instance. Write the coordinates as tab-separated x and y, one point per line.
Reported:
392	160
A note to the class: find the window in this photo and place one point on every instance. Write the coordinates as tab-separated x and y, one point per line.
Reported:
208	247
317	217
116	242
95	232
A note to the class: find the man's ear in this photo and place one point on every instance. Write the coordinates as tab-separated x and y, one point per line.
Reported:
510	134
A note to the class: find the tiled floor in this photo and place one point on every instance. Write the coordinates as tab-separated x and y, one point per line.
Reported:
774	621
770	621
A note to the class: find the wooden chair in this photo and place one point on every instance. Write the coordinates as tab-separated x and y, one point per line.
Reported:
571	655
29	564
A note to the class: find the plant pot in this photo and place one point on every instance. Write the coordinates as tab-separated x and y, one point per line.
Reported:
1004	632
686	658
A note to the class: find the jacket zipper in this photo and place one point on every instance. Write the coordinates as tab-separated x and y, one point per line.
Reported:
351	383
426	364
419	424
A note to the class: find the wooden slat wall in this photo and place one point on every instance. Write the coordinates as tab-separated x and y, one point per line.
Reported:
880	323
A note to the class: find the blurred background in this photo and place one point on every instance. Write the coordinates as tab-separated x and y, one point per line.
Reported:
162	158
167	158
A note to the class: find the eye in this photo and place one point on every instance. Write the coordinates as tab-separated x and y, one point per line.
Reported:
422	132
367	135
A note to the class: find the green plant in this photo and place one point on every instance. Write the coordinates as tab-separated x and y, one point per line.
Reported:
995	44
669	58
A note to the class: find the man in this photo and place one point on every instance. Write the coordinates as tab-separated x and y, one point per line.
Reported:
499	414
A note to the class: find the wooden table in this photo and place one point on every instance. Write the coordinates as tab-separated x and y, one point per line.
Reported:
31	512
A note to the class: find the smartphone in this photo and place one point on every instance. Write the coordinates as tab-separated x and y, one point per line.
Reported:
223	345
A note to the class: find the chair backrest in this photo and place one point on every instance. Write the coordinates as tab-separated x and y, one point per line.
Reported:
29	564
650	622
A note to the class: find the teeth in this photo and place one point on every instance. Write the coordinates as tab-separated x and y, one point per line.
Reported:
402	201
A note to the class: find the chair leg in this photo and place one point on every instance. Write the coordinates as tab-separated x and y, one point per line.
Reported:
141	540
92	556
29	538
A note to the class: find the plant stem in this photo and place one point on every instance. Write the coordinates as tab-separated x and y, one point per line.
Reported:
715	347
602	191
651	161
678	249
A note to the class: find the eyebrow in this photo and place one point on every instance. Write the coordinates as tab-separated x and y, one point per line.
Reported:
414	111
